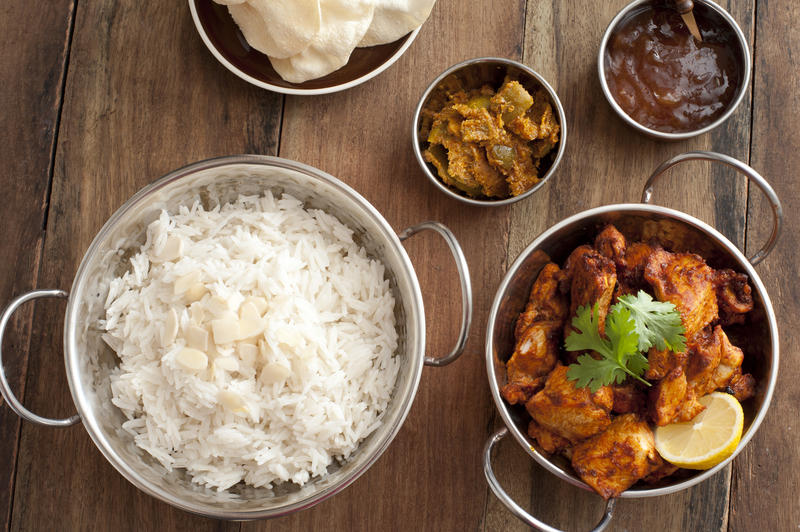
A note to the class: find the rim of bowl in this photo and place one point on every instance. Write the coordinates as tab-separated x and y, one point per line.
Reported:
748	66
621	208
289	90
74	373
416	141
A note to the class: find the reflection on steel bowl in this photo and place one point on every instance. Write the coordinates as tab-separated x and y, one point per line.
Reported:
219	181
758	336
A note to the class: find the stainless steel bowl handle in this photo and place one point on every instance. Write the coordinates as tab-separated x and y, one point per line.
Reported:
466	287
516	509
752	175
5	389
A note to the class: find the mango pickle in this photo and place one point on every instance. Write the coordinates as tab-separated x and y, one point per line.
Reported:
488	144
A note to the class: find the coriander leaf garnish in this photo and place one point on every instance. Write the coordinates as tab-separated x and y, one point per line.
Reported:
620	351
658	323
633	326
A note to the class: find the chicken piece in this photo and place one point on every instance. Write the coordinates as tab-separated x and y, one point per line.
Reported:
690	407
570	412
667	397
664	470
537	334
685	280
548	441
611	244
592	280
661	362
713	361
705	352
743	387
628	397
617	458
535	355
734	296
545	302
630	273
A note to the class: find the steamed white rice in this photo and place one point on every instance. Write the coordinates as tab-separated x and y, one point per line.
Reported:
330	326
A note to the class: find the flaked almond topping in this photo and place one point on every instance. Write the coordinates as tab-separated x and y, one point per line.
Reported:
172	250
232	401
273	372
258	302
185	282
227	363
217	305
170	330
191	359
226	330
197	337
197	313
247	353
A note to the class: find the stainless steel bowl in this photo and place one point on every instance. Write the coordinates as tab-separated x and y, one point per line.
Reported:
491	71
746	68
218	181
758	337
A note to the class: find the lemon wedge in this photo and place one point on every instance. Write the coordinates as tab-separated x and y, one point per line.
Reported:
708	439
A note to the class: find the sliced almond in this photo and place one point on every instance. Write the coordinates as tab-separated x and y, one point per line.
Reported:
226	330
197	337
197	312
184	282
258	302
264	349
172	250
288	336
249	327
247	353
195	292
191	359
170	330
273	372
232	401
248	311
217	305
227	363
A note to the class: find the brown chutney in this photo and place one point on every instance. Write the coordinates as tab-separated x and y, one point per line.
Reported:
664	79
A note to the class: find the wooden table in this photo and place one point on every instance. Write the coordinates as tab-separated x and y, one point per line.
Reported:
102	97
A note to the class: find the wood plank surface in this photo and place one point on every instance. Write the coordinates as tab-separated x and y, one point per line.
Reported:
143	97
766	476
32	66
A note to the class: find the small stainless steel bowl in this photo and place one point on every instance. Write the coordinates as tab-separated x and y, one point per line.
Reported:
491	71
746	67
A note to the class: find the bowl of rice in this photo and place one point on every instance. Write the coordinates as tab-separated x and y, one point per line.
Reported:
244	337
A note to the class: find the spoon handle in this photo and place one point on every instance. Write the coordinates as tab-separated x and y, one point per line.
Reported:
684	6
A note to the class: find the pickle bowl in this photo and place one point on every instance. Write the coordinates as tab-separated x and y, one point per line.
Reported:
709	10
475	73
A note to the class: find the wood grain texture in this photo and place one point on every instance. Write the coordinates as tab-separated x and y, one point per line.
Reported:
32	63
607	162
430	477
143	97
765	487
